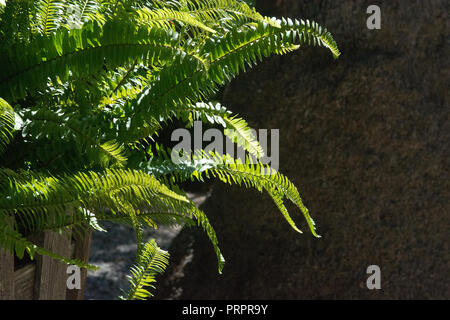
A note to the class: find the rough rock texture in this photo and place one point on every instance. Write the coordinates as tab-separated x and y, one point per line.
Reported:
366	140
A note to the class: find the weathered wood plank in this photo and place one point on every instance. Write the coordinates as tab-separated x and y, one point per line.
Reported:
51	275
24	282
81	252
6	275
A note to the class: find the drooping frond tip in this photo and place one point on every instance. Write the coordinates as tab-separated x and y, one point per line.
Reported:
152	261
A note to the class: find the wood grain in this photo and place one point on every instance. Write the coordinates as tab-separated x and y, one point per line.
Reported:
51	275
6	275
81	251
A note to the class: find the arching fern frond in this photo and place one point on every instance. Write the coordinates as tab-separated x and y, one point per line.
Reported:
151	217
262	177
249	173
84	51
155	211
227	55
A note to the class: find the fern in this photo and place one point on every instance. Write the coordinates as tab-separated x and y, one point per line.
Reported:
250	173
85	88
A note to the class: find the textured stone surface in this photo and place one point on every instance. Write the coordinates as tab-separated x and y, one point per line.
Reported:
366	140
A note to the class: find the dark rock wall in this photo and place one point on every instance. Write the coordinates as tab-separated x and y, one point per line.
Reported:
365	139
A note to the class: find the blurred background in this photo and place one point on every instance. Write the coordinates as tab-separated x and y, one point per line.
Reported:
365	138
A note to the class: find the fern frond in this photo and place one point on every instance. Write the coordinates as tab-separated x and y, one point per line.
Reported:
7	122
161	166
147	129
164	18
153	261
151	217
236	128
48	15
114	150
84	51
240	133
250	174
184	83
94	82
156	211
261	177
213	113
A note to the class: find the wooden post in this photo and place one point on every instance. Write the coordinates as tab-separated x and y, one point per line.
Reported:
24	282
6	275
51	275
81	252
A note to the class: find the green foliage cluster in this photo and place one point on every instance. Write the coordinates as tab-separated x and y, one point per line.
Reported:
85	87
